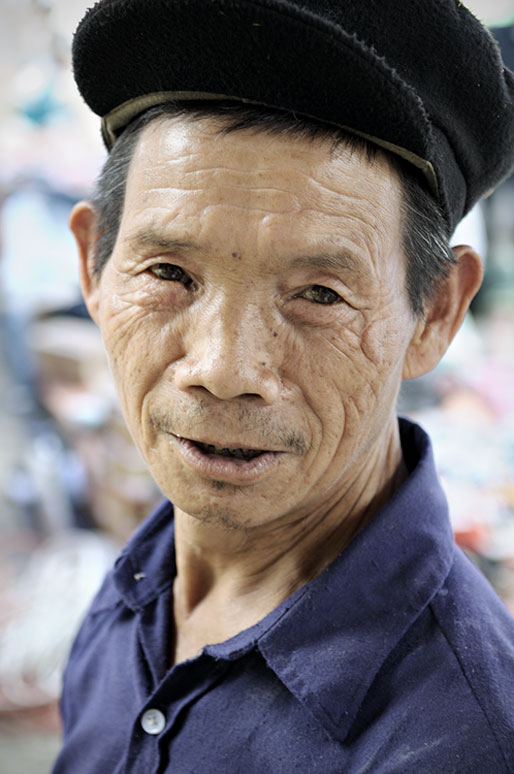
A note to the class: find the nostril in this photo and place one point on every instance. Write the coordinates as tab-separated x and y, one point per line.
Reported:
226	374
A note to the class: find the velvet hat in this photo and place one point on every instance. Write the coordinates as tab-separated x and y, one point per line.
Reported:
421	78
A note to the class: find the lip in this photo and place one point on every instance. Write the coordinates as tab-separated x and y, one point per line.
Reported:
227	469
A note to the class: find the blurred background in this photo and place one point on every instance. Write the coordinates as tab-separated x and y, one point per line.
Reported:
72	485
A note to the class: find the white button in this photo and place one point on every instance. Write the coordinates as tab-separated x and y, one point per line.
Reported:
153	721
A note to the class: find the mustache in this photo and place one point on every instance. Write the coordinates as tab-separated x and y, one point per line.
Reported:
249	423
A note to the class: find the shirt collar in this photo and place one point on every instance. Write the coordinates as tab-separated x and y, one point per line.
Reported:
327	641
329	647
146	567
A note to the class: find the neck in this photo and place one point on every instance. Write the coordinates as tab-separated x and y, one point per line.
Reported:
227	580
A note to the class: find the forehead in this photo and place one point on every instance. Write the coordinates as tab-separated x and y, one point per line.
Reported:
299	188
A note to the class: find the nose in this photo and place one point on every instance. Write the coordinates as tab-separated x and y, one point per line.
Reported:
229	353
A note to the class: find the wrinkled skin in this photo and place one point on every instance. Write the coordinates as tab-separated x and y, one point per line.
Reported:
241	345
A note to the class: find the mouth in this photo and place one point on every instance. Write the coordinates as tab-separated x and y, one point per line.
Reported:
226	462
237	454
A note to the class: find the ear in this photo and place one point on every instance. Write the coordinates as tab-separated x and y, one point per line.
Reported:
444	314
84	226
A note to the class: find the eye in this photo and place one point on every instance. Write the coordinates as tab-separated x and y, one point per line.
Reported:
319	294
171	273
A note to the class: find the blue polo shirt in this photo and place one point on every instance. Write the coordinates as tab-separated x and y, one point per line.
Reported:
398	658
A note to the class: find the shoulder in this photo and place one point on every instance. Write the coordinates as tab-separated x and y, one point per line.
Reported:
479	632
478	628
444	695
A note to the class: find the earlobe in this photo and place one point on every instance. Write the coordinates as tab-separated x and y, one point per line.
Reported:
444	314
84	226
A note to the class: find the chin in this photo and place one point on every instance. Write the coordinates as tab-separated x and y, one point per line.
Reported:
219	504
220	517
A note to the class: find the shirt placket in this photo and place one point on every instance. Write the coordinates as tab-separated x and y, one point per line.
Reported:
159	719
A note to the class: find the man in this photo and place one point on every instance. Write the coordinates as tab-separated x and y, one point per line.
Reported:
267	258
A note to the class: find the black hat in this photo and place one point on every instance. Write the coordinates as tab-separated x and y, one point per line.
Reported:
421	78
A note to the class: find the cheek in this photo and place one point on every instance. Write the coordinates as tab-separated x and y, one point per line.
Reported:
385	341
357	370
140	344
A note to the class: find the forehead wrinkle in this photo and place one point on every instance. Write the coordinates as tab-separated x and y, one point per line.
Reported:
256	169
325	187
243	188
247	168
355	212
269	201
355	204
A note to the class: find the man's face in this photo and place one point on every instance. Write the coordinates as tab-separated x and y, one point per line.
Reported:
255	302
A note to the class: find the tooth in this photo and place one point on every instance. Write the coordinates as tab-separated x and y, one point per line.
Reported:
240	454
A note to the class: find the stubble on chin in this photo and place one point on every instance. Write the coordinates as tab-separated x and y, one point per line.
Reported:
217	516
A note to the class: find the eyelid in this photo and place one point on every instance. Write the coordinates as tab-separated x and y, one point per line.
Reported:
320	284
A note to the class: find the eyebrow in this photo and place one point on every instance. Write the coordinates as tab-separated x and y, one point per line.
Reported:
341	261
153	239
